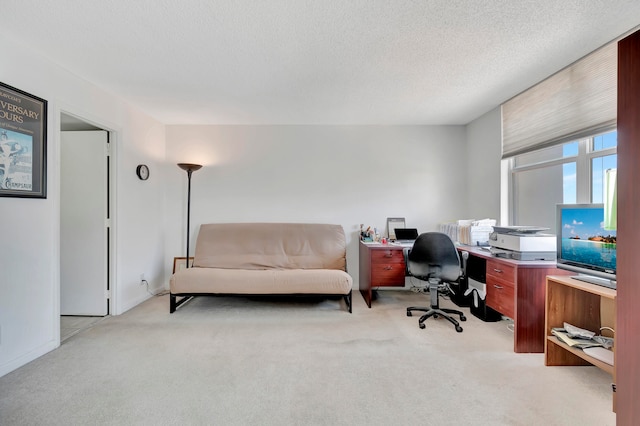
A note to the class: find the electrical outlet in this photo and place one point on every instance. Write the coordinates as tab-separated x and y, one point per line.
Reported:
142	276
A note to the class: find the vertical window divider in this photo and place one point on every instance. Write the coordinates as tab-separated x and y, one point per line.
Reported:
583	168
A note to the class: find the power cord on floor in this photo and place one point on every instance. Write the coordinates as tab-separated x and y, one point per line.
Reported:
510	325
419	286
162	293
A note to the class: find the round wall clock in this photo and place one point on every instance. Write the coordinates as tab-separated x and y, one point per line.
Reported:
142	171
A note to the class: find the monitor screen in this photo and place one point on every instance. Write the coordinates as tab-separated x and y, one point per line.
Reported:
584	245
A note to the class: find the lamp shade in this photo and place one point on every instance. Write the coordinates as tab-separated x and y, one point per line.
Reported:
189	167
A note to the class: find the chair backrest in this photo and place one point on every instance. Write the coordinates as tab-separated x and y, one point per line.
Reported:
434	255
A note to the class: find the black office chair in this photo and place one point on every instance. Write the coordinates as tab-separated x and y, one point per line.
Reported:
434	258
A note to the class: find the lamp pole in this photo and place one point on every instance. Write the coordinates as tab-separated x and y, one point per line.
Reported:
189	168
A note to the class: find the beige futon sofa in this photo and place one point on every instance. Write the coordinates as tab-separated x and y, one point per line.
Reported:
265	259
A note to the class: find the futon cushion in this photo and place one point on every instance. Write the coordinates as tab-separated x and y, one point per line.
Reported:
259	246
272	281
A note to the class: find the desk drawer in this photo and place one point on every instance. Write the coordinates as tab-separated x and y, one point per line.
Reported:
501	295
386	256
501	270
387	274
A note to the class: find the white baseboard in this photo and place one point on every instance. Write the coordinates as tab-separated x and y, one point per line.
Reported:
27	358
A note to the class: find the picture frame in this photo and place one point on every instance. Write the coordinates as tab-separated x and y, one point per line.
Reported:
392	224
23	144
180	263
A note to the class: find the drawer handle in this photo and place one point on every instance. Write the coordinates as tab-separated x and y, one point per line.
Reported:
388	268
499	271
388	255
499	287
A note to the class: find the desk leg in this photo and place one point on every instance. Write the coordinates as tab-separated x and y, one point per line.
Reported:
528	324
367	295
365	274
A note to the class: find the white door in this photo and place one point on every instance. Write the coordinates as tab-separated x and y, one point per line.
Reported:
83	223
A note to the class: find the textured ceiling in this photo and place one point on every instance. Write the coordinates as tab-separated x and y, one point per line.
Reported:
314	61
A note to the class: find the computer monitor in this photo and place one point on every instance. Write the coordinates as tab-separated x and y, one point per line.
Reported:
584	246
406	234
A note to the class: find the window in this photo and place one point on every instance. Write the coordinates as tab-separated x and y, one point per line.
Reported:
573	172
599	166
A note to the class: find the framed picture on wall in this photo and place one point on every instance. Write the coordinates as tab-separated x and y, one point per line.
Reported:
392	224
23	144
181	263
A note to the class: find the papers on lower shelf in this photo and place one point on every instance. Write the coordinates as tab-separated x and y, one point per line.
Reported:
574	342
602	354
578	332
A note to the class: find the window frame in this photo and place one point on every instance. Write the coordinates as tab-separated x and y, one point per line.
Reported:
584	177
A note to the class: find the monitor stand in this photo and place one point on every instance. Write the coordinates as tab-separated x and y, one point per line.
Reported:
605	282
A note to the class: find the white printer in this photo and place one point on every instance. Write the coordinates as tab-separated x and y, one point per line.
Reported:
522	243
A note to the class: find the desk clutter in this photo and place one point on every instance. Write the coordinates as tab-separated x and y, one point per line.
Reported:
405	236
469	232
369	234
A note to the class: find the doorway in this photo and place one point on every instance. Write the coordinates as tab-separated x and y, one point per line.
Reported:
85	225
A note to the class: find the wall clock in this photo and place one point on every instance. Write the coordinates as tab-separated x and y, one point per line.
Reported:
142	171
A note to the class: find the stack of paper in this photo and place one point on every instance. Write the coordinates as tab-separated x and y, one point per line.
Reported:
574	342
469	231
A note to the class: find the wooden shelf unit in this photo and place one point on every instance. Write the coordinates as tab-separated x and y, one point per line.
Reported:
552	340
583	305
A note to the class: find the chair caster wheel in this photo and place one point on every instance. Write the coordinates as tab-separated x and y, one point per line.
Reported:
463	318
409	314
421	325
459	329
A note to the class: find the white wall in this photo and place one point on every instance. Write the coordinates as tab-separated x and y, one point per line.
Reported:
339	174
335	174
29	253
484	150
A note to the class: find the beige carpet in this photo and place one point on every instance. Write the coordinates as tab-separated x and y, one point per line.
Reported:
71	325
236	361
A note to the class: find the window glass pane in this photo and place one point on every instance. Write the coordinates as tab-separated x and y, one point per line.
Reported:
598	167
608	140
570	149
569	183
548	154
537	191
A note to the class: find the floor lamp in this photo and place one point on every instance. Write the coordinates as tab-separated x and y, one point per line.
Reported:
189	168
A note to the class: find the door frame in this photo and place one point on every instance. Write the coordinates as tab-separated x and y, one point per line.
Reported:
92	124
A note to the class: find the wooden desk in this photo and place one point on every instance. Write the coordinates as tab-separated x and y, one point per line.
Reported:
584	305
516	289
381	265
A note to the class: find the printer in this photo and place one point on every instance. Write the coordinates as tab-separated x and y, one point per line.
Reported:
522	243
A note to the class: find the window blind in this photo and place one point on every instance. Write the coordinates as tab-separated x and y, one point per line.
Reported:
576	102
